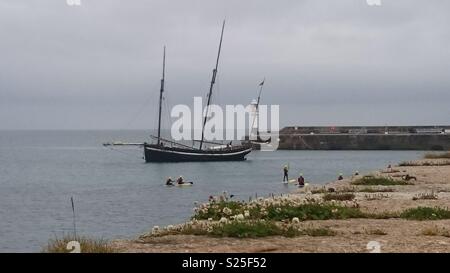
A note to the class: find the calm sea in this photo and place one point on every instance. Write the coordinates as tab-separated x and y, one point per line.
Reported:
117	195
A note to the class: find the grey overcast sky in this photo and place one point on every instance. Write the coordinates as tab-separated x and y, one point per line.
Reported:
326	62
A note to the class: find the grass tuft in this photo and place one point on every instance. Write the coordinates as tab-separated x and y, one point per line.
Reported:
319	190
435	231
376	232
87	245
252	229
376	196
425	196
425	213
318	232
437	155
314	211
379	181
338	196
426	163
376	190
257	229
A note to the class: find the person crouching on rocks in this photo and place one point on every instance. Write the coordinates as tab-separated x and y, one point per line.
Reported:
301	181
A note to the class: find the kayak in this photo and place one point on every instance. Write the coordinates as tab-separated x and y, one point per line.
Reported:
290	181
296	183
185	184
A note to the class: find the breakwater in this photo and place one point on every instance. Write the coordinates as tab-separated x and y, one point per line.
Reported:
366	138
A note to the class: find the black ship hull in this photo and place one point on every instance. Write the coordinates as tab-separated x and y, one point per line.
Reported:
155	153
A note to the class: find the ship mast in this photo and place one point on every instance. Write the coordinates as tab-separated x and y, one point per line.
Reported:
213	80
259	94
257	108
161	91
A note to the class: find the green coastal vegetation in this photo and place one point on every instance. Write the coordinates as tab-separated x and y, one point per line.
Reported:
379	181
445	155
344	196
87	245
425	213
375	190
284	218
278	220
262	219
426	163
311	210
368	189
256	229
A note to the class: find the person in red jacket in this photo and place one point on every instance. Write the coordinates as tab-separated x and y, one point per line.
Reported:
301	181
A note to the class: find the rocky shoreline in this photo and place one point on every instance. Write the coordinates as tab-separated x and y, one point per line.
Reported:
428	187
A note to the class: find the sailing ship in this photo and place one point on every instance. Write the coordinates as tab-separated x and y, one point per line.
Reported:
255	133
165	150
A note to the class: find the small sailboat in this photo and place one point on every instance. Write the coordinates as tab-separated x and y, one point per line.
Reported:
255	128
165	150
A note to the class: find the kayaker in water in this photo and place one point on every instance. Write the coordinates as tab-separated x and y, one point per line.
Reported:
169	181
180	181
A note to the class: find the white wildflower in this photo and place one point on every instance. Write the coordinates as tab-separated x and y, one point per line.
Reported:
295	220
226	211
223	220
155	230
239	217
246	214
